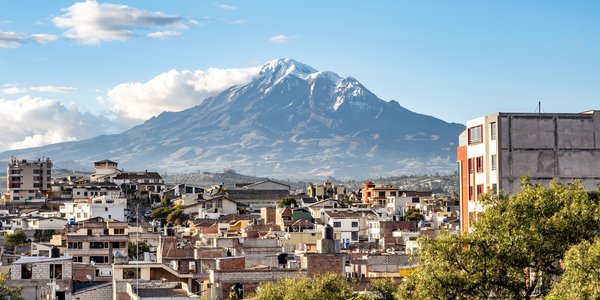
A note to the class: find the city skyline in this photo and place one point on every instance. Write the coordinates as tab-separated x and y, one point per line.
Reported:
81	69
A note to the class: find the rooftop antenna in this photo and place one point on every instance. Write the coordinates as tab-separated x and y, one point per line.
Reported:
539	109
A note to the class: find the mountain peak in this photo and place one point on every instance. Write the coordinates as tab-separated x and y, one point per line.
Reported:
286	66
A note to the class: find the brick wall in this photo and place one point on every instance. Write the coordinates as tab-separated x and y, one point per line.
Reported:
231	263
319	263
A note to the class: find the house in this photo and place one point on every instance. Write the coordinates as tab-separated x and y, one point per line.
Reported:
216	207
42	277
497	150
104	207
351	223
95	189
94	242
266	193
182	189
327	190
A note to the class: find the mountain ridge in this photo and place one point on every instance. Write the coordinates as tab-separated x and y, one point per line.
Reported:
289	119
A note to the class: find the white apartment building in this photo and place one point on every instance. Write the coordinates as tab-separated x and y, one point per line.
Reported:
104	207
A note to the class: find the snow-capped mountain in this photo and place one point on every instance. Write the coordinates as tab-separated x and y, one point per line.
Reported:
290	120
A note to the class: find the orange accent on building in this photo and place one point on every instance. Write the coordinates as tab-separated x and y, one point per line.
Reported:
365	192
461	155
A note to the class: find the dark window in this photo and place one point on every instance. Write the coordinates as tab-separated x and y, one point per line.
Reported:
479	161
77	259
56	271
25	271
354	236
337	224
416	200
494	162
354	224
479	189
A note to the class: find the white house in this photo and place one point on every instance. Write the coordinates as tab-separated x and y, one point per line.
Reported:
350	223
103	206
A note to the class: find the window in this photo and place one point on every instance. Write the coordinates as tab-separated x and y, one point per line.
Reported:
99	259
354	224
337	224
393	194
493	131
119	231
475	135
381	194
77	259
416	200
495	187
494	162
470	193
98	245
25	271
480	189
479	162
354	236
56	271
470	165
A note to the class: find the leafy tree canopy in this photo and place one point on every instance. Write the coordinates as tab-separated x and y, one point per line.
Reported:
515	250
15	239
288	201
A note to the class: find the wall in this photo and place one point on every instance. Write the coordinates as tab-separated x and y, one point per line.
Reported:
317	263
101	292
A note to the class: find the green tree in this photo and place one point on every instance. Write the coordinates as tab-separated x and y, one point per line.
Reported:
287	202
177	216
413	214
161	212
7	292
515	250
329	286
581	279
384	289
15	239
164	201
134	250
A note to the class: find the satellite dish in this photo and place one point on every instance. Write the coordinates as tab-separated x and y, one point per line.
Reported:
93	263
89	277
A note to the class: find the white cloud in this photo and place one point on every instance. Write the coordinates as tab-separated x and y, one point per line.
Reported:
16	40
239	22
164	34
92	23
173	91
11	90
43	38
30	122
282	39
227	7
14	90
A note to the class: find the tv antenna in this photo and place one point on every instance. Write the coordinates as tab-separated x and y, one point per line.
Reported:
539	108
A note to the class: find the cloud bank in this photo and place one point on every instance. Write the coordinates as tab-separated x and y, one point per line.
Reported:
30	122
16	40
92	23
12	90
173	91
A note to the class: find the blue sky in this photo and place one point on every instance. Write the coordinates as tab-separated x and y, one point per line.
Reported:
81	69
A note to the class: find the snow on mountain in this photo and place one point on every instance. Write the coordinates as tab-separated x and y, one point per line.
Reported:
290	120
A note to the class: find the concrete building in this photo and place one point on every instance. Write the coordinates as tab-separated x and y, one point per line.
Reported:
27	179
42	277
106	171
104	207
96	240
497	150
